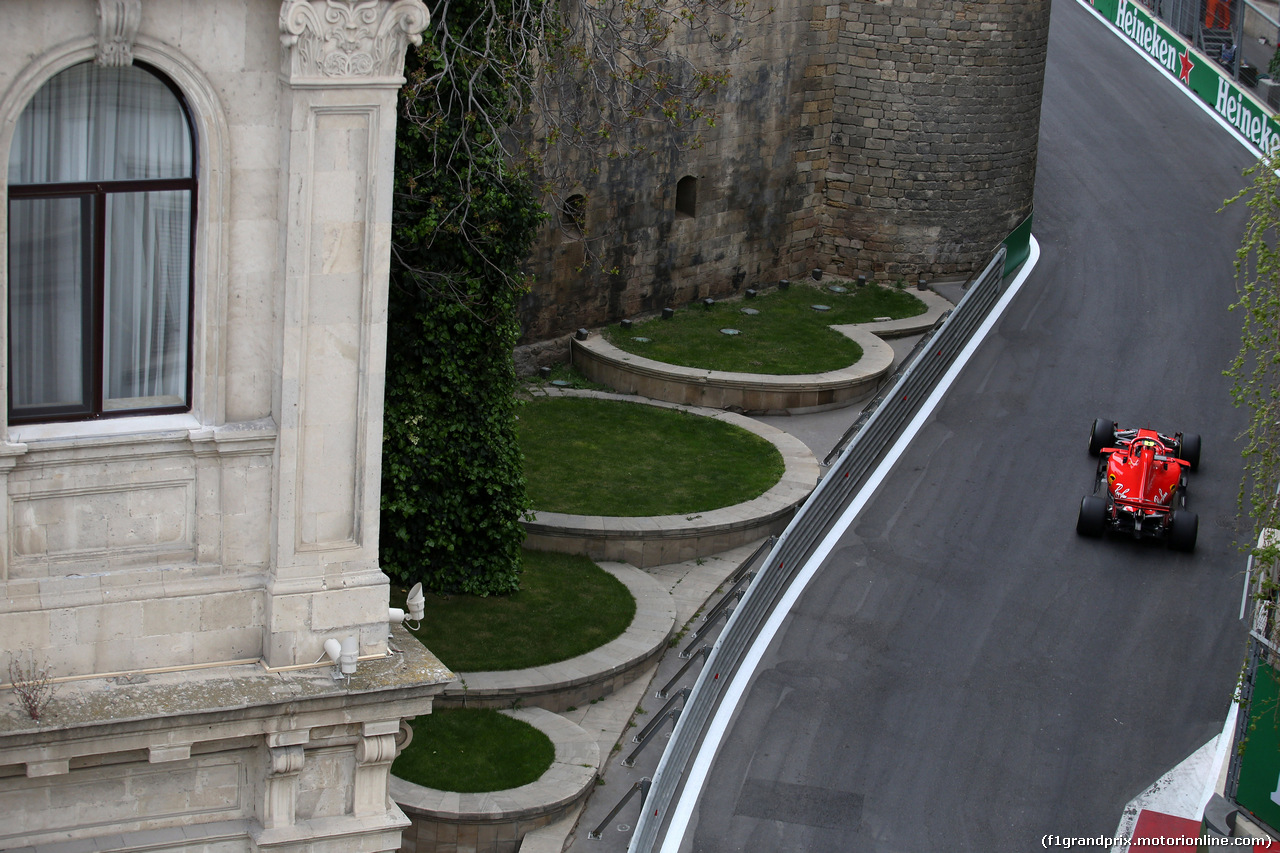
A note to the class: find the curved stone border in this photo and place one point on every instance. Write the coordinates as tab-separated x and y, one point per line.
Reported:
602	362
661	539
489	822
579	680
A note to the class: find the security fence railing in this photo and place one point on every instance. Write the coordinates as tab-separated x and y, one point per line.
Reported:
865	447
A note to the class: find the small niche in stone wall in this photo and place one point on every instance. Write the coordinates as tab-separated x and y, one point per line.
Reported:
687	197
573	215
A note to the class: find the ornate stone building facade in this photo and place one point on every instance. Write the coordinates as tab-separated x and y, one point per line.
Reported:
197	227
883	137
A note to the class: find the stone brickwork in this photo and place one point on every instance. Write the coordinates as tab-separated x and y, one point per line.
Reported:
885	137
934	115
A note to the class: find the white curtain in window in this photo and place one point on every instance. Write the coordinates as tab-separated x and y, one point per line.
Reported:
93	124
146	299
47	293
101	124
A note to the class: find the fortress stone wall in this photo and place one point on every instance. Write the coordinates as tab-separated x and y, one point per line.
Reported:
893	138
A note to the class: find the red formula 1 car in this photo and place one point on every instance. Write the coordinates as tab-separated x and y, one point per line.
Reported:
1141	487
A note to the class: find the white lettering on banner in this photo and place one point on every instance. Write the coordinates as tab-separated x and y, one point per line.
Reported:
1146	36
1224	92
1240	114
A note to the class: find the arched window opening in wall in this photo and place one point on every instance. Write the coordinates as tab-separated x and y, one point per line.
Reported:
102	200
573	215
687	196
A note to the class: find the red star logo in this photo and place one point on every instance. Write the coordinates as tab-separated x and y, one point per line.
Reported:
1187	65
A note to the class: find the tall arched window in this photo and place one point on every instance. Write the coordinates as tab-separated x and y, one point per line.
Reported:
102	194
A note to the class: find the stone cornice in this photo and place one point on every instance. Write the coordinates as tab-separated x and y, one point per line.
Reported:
349	42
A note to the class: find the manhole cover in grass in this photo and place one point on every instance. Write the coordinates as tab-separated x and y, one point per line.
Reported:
835	288
730	332
820	307
641	340
750	312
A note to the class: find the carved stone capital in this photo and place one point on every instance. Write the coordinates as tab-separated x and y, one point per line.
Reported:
376	750
349	41
118	22
286	760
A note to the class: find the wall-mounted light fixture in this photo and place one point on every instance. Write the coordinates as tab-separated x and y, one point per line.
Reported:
345	656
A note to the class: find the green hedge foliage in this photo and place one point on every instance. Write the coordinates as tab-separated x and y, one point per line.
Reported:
452	482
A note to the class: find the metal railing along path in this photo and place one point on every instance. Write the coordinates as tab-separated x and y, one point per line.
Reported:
869	442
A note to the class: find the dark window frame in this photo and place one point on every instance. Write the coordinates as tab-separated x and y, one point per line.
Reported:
93	195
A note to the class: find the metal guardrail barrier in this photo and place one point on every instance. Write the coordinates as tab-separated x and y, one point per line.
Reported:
802	536
870	408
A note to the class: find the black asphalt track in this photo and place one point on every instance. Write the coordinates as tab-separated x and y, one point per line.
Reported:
965	673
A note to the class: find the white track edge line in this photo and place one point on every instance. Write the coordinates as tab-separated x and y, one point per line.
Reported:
719	726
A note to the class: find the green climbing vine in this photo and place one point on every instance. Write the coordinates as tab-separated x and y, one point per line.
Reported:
1255	371
452	480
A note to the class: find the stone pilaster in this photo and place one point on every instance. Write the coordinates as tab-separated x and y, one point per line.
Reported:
340	72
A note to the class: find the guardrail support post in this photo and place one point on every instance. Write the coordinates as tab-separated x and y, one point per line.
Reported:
700	653
652	729
697	635
642	786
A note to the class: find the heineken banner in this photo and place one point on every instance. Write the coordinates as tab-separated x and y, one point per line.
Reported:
1201	75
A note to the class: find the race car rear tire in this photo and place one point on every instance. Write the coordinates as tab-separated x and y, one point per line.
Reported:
1102	435
1092	520
1189	449
1183	527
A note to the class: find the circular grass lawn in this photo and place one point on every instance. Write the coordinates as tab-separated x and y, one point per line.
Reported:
473	750
566	606
606	457
784	336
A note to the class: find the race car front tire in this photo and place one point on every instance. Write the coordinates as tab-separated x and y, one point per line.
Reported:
1183	527
1189	449
1102	435
1092	520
